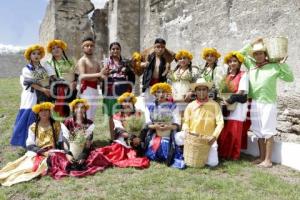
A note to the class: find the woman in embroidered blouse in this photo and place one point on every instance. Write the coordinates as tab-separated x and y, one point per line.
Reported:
77	135
181	78
43	137
34	81
121	79
65	78
162	123
211	72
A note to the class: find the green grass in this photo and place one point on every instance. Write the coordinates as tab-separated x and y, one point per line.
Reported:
230	180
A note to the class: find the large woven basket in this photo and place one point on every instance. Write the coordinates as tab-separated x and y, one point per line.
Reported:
277	48
230	107
196	149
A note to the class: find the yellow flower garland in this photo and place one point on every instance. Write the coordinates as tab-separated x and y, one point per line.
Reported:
184	53
59	43
32	48
237	54
164	86
76	101
137	60
212	51
42	106
125	96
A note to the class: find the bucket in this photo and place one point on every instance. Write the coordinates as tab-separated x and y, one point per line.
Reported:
277	48
196	149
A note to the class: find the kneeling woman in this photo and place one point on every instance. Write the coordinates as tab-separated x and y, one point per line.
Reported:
162	122
77	139
125	151
43	136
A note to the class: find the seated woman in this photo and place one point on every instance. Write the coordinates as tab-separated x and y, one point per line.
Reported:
77	139
128	123
43	136
162	122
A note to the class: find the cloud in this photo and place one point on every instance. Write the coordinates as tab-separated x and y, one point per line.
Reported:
99	3
8	49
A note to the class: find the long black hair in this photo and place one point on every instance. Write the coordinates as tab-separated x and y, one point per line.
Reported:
52	121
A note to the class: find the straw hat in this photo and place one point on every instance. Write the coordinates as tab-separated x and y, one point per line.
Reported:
258	47
201	82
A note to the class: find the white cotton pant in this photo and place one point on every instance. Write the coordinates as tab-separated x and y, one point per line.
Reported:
213	159
92	96
263	119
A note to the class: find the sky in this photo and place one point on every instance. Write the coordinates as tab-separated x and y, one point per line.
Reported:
20	20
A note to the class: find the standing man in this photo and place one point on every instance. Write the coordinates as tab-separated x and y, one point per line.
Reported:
263	77
156	67
89	75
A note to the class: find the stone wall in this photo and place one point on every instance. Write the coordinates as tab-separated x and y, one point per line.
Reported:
124	26
224	24
228	25
67	20
100	27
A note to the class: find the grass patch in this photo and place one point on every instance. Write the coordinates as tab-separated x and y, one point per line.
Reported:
230	180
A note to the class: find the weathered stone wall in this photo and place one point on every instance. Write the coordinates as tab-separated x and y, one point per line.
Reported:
100	27
224	24
124	24
67	20
228	25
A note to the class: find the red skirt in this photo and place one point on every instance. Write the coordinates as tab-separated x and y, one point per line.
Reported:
121	156
98	159
230	140
59	165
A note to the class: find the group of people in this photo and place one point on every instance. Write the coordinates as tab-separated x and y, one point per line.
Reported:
180	105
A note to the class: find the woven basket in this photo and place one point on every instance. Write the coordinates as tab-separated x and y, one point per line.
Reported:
230	107
163	133
196	149
277	48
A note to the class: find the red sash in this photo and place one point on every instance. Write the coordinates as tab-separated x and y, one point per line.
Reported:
85	84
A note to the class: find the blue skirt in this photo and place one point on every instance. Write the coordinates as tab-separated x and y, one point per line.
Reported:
162	153
24	119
